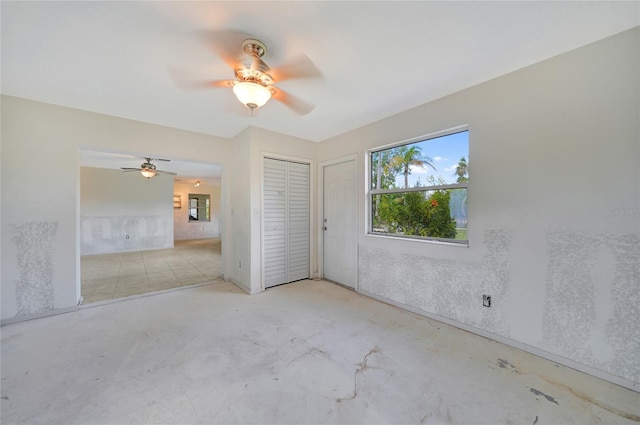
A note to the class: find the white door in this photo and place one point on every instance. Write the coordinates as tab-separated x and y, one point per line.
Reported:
339	223
286	222
274	210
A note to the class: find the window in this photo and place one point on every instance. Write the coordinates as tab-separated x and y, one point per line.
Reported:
199	207
419	189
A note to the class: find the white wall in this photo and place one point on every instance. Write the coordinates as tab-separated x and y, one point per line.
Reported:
124	211
554	210
249	149
41	214
183	229
239	213
41	210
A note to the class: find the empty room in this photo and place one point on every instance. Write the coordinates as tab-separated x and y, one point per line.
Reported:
320	212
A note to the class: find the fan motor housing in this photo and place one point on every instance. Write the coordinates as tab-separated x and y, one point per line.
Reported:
254	70
254	47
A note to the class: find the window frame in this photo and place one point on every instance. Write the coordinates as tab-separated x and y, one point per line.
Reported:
204	210
370	192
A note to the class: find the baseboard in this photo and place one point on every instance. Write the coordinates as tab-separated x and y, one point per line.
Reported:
634	386
81	306
40	315
240	285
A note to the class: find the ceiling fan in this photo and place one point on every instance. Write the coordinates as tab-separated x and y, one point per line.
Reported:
147	169
255	81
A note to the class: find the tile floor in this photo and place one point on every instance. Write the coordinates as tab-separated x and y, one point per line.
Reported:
310	352
110	276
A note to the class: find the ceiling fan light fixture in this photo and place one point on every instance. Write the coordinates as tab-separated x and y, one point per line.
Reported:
196	184
252	95
148	173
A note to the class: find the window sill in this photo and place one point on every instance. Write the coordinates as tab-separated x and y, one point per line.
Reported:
462	244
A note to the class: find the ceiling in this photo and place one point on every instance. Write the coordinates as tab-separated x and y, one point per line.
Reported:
188	172
377	58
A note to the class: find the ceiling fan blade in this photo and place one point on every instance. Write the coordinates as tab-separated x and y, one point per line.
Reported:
128	170
166	172
160	159
226	43
188	84
297	105
300	67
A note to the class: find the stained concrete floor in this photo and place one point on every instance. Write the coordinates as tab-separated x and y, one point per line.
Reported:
308	352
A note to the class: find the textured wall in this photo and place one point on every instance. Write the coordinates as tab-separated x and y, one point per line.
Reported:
446	287
592	293
34	288
592	308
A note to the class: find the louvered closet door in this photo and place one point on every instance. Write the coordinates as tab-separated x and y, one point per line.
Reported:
286	221
298	221
275	212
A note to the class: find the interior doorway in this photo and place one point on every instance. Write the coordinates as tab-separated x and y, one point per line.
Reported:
135	233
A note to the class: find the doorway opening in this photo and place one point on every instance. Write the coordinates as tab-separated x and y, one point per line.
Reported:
135	233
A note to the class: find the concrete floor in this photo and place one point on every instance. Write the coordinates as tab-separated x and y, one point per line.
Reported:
189	262
308	352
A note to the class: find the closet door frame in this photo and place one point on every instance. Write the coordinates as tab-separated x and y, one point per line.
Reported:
313	263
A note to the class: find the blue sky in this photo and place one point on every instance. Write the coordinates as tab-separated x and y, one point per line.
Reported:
445	152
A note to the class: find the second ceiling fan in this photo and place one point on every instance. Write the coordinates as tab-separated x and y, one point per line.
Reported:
254	83
148	169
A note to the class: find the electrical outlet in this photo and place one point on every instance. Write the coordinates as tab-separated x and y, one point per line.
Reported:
240	264
486	300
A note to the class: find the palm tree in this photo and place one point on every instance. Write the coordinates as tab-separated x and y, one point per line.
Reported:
407	156
384	174
462	170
